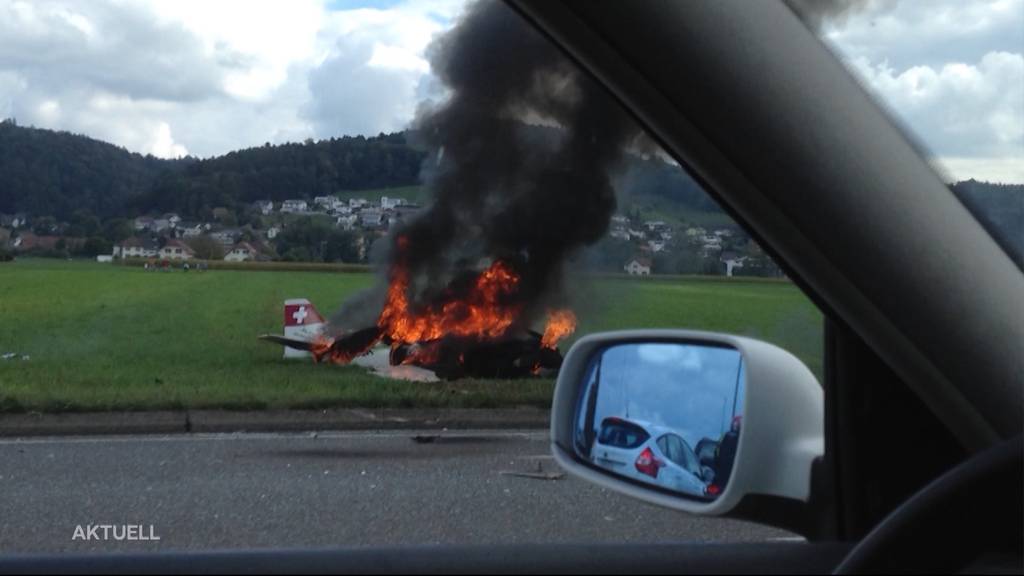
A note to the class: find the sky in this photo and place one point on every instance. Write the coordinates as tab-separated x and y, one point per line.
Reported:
202	78
687	388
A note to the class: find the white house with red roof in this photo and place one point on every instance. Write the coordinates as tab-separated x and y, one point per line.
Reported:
176	250
241	252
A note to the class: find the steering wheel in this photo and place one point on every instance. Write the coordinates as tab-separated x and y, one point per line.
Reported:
975	507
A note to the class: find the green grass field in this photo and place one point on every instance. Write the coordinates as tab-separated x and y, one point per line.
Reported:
104	337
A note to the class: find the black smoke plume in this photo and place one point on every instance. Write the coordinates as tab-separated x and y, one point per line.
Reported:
522	150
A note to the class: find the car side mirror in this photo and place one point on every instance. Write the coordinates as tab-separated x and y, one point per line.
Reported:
630	407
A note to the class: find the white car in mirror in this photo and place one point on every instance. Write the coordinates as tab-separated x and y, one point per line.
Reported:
693	421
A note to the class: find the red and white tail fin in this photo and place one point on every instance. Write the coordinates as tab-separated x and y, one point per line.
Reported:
301	322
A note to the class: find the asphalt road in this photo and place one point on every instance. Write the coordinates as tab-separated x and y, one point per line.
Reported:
208	492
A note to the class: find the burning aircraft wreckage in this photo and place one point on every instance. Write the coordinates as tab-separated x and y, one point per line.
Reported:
521	153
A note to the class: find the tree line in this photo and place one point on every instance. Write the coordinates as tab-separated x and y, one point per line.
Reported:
48	173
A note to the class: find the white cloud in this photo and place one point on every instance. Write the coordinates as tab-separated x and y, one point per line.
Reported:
163	143
952	72
169	76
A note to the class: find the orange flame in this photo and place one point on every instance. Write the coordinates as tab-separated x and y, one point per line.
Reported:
481	313
561	323
486	312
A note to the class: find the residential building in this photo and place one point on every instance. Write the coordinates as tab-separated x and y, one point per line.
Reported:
390	203
137	248
265	207
371	218
347	222
176	250
227	236
272	232
294	206
638	267
326	202
241	252
190	229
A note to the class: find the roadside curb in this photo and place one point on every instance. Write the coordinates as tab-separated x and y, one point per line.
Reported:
224	421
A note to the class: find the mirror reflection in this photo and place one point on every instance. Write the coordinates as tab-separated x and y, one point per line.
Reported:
663	413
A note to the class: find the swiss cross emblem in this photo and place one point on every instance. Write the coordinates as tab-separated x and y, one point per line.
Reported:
300	315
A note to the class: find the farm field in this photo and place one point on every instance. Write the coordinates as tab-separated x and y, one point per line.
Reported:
106	337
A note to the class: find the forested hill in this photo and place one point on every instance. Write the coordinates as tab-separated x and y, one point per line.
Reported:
50	173
47	173
58	174
285	171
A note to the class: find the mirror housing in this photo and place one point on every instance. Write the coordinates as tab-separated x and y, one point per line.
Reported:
783	422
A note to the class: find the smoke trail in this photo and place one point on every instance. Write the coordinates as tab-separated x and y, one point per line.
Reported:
522	152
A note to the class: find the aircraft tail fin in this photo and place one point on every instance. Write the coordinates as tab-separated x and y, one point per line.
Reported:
303	323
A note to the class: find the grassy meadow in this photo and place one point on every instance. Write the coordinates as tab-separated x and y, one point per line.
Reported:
106	337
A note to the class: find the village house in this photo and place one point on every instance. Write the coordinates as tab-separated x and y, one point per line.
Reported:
326	202
407	211
176	250
695	232
347	222
190	229
241	252
172	218
19	221
620	221
272	232
653	225
371	218
638	267
390	203
227	236
265	207
356	203
294	206
136	248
